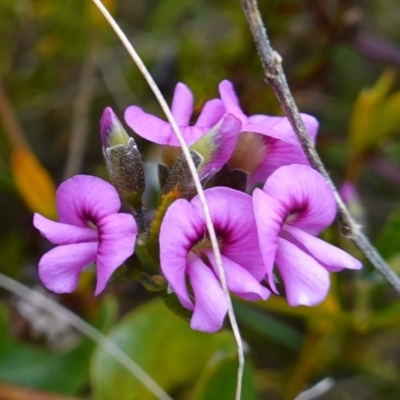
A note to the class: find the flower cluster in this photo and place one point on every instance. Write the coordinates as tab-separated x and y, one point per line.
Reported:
267	236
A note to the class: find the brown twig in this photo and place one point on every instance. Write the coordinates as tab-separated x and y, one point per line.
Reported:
272	64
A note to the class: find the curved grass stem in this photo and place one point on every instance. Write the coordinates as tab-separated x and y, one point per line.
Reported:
213	238
86	329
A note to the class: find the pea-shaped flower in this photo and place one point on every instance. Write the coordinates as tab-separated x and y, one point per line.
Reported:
265	142
295	205
186	254
90	229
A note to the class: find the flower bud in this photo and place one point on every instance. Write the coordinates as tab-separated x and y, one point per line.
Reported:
349	194
111	130
124	163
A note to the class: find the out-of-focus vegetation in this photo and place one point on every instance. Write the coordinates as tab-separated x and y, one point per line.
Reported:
60	65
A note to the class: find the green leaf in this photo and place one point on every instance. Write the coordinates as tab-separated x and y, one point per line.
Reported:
387	118
39	368
163	345
218	381
268	326
374	116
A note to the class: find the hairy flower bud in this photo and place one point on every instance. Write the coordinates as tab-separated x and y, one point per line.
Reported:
124	162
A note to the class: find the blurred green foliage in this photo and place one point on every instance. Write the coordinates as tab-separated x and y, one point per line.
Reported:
341	57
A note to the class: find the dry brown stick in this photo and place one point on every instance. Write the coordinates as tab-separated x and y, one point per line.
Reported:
14	392
274	75
12	127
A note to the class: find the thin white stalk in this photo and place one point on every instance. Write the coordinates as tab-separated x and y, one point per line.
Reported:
213	238
86	329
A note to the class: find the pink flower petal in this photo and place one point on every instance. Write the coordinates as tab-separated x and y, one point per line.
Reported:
148	126
305	195
210	304
230	100
180	230
276	127
232	214
311	124
265	129
331	257
270	215
239	280
211	113
182	104
59	268
84	199
306	281
116	243
59	233
282	124
348	192
280	153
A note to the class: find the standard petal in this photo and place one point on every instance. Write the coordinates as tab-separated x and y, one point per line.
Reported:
182	104
232	214
210	304
58	233
148	126
331	257
265	129
305	195
311	124
180	230
211	113
117	237
59	268
83	199
230	100
280	127
270	215
280	153
239	280
306	281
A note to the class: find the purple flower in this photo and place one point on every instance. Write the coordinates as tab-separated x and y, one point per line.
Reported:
89	230
266	142
159	131
185	252
294	206
348	192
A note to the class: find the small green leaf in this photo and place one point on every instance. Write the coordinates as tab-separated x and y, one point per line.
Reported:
387	118
163	345
374	116
268	326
